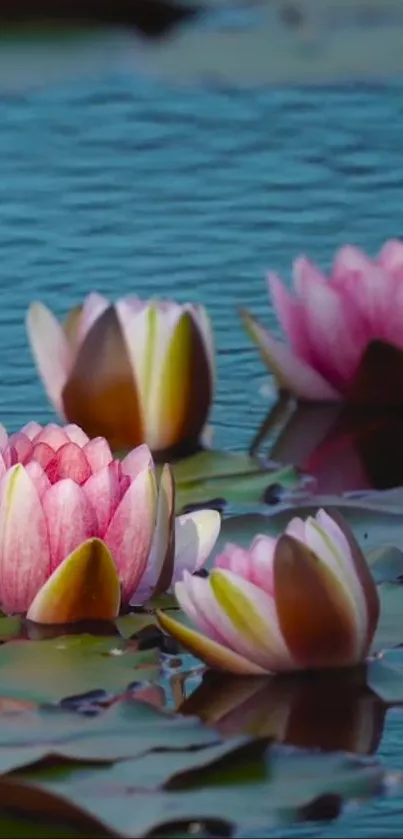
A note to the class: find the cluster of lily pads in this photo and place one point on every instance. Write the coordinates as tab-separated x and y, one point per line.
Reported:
123	587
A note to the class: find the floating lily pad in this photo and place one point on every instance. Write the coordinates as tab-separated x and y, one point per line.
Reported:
374	525
247	786
236	478
385	678
386	563
10	628
390	627
47	671
127	729
131	624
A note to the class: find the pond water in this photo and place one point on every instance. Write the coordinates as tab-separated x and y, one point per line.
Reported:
127	186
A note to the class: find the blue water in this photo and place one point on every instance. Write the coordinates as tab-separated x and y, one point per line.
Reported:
123	186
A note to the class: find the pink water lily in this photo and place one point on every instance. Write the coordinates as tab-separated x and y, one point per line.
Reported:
330	323
305	600
134	371
81	532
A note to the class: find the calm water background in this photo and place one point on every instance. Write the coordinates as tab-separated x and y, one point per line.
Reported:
128	186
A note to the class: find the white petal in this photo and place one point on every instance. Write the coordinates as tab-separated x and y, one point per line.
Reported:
195	536
51	351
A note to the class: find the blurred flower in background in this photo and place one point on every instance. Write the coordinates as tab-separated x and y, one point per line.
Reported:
344	334
133	372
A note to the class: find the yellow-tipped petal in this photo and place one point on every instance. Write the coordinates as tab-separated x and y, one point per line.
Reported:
241	611
71	326
85	586
252	615
185	408
213	654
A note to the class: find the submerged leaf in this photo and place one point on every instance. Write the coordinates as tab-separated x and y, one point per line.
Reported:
47	671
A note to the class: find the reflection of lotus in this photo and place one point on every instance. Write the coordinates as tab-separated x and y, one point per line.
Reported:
304	601
333	327
327	711
342	447
80	531
132	372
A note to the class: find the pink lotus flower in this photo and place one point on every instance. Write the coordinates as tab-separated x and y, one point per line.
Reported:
331	323
133	372
306	600
81	532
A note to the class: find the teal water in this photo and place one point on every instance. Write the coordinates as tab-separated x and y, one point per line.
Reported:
123	186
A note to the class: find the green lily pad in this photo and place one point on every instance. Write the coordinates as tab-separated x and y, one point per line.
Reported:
386	563
389	632
247	786
385	678
236	478
127	729
129	625
10	628
48	671
374	527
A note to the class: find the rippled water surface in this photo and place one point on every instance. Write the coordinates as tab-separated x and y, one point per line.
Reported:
125	186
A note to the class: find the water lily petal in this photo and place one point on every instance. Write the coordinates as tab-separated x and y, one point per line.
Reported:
215	655
252	615
130	531
195	536
160	564
234	558
31	430
38	477
167	345
98	453
292	373
290	314
315	616
136	461
182	411
53	435
42	453
51	351
203	320
70	518
93	307
320	541
24	548
22	444
103	491
390	256
187	594
69	462
100	393
76	434
4	436
84	587
363	572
